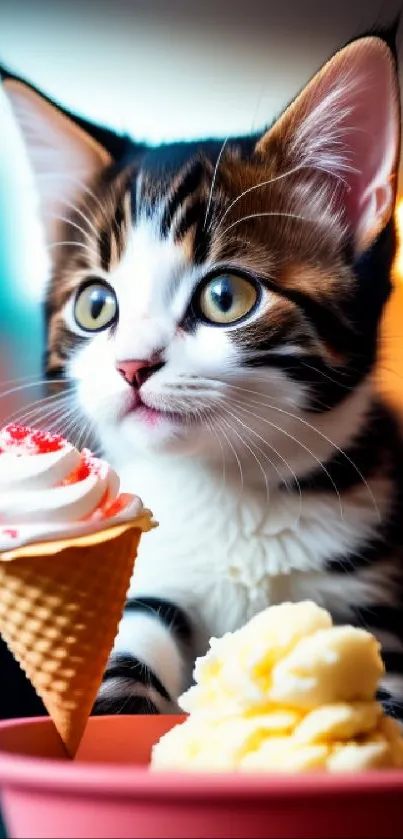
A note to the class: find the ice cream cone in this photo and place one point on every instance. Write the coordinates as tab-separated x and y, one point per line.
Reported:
60	607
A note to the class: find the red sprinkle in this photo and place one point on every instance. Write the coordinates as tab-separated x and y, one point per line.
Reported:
79	474
9	531
117	505
23	440
89	465
94	465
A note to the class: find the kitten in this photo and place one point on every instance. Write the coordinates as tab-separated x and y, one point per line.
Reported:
217	306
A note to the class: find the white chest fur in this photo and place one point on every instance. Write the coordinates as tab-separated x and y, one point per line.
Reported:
224	552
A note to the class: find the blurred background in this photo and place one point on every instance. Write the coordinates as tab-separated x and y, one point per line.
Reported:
160	70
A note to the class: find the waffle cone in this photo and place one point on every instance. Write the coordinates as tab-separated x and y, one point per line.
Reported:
60	607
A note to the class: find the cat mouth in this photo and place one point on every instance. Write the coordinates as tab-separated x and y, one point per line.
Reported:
150	415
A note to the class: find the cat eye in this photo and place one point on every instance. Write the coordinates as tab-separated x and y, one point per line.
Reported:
227	298
95	306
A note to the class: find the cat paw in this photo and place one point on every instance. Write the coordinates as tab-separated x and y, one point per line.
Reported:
123	704
130	687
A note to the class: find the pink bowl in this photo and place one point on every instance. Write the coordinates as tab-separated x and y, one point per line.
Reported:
109	792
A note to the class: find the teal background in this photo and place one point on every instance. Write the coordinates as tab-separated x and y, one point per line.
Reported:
21	332
20	317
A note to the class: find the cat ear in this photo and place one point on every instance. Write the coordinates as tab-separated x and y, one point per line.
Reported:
346	125
64	154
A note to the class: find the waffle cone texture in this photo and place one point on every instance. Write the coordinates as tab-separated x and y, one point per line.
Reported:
60	607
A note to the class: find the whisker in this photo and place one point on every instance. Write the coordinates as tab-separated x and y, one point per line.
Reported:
390	370
259	186
82	215
81	245
51	398
53	419
76	226
213	182
234	452
18	380
323	437
79	182
85	431
64	426
39	409
213	430
290	436
280	457
261	215
97	451
250	450
65	423
40	420
326	376
43	403
36	383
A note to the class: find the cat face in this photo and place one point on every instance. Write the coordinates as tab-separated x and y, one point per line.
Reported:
213	292
186	314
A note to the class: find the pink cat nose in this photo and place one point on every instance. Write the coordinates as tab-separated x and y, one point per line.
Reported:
135	373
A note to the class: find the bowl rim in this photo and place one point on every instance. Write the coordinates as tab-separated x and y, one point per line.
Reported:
129	780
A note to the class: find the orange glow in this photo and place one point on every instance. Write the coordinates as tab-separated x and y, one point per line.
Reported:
390	363
398	268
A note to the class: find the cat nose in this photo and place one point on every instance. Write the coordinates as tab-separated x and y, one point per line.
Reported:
135	373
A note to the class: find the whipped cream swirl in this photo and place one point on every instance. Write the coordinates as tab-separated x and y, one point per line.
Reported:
48	489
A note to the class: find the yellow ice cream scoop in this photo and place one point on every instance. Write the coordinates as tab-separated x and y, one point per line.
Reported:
287	692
